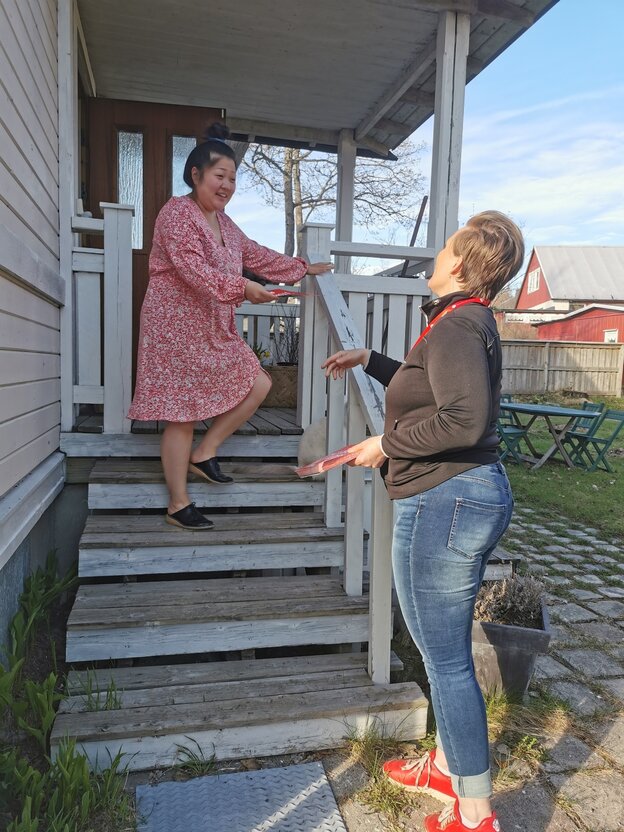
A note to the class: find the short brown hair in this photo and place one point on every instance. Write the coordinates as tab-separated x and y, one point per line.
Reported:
492	250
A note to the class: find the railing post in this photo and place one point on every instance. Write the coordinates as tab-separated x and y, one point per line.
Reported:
315	248
347	152
380	605
354	504
117	316
335	440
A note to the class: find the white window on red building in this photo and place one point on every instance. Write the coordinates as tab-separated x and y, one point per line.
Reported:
610	336
533	281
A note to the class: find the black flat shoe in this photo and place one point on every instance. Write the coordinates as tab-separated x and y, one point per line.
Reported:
209	469
189	518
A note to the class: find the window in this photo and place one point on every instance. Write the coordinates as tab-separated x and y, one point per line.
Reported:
130	179
610	336
534	280
180	149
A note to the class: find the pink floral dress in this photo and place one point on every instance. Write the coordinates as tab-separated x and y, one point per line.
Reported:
192	364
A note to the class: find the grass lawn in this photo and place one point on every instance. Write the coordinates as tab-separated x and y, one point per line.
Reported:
595	499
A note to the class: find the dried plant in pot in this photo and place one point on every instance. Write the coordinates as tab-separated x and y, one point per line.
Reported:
284	373
510	630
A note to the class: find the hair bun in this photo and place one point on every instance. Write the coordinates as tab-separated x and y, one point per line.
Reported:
217	130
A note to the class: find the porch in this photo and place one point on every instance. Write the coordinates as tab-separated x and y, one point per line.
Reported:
273	632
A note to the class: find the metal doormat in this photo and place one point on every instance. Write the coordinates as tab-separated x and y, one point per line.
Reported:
289	799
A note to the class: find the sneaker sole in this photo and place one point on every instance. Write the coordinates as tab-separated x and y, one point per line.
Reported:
441	796
173	522
195	470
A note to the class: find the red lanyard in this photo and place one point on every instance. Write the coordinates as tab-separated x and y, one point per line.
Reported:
448	309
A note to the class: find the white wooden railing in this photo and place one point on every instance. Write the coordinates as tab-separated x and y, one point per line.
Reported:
271	326
342	312
103	315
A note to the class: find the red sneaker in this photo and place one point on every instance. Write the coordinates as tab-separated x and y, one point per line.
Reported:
449	820
421	776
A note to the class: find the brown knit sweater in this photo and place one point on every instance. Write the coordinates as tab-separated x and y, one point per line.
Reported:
442	402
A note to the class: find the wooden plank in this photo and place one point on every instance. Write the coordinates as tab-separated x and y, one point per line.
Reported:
381	250
17	432
202	673
289	736
19	464
143	471
117	317
24	398
159	560
103	643
374	284
24	27
397	315
88	324
215	692
264	427
21	301
23	506
377	324
334	439
88	260
21	367
132	596
129	524
354	507
242	494
19	334
87	225
146	721
127	445
380	635
285	424
159	536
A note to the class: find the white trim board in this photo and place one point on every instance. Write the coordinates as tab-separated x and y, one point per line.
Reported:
23	505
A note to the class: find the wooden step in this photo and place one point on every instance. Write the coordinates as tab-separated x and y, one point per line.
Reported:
232	709
177	617
121	544
139	483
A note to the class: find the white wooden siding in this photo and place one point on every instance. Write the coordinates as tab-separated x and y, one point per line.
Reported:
30	286
29	127
29	381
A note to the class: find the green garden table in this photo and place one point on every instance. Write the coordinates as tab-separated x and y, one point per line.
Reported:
547	412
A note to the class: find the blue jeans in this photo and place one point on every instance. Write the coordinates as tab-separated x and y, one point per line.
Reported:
442	541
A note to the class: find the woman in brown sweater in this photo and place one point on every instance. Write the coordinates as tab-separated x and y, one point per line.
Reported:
438	457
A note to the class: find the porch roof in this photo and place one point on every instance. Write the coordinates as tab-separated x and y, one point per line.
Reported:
295	71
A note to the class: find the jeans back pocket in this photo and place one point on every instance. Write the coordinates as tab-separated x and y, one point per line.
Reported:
477	527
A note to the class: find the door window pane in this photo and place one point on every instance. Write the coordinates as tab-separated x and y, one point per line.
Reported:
130	179
182	146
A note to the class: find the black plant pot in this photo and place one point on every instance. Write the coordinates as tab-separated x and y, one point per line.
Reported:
504	655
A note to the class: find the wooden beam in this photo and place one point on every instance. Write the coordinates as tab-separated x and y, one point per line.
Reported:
395	128
418	97
501	9
453	44
408	77
347	150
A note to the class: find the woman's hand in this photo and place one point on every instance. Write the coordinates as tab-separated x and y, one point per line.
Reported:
343	360
370	454
319	268
255	293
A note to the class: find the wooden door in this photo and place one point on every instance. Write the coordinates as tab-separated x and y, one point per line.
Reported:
136	156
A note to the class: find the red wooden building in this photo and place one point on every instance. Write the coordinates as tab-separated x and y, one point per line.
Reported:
596	322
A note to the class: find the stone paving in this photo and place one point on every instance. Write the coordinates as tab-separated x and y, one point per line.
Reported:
582	772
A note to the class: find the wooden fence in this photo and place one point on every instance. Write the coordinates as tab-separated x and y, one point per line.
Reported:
548	366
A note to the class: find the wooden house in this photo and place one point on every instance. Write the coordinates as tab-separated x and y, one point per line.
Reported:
99	103
565	278
595	322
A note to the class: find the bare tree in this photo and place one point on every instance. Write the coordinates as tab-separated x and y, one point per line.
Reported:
303	183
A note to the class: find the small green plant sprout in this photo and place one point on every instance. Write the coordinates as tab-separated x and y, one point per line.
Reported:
194	762
260	351
42	700
95	699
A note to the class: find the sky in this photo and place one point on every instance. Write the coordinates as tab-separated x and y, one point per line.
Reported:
543	135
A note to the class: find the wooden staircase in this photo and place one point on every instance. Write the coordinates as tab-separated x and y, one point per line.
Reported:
240	639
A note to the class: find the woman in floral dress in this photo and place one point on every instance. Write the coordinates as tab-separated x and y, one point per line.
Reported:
192	364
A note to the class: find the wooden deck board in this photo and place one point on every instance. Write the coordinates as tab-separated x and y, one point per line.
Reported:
220	691
146	523
160	719
201	673
285	422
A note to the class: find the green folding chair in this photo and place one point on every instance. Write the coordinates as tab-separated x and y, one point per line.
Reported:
592	449
582	427
510	434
